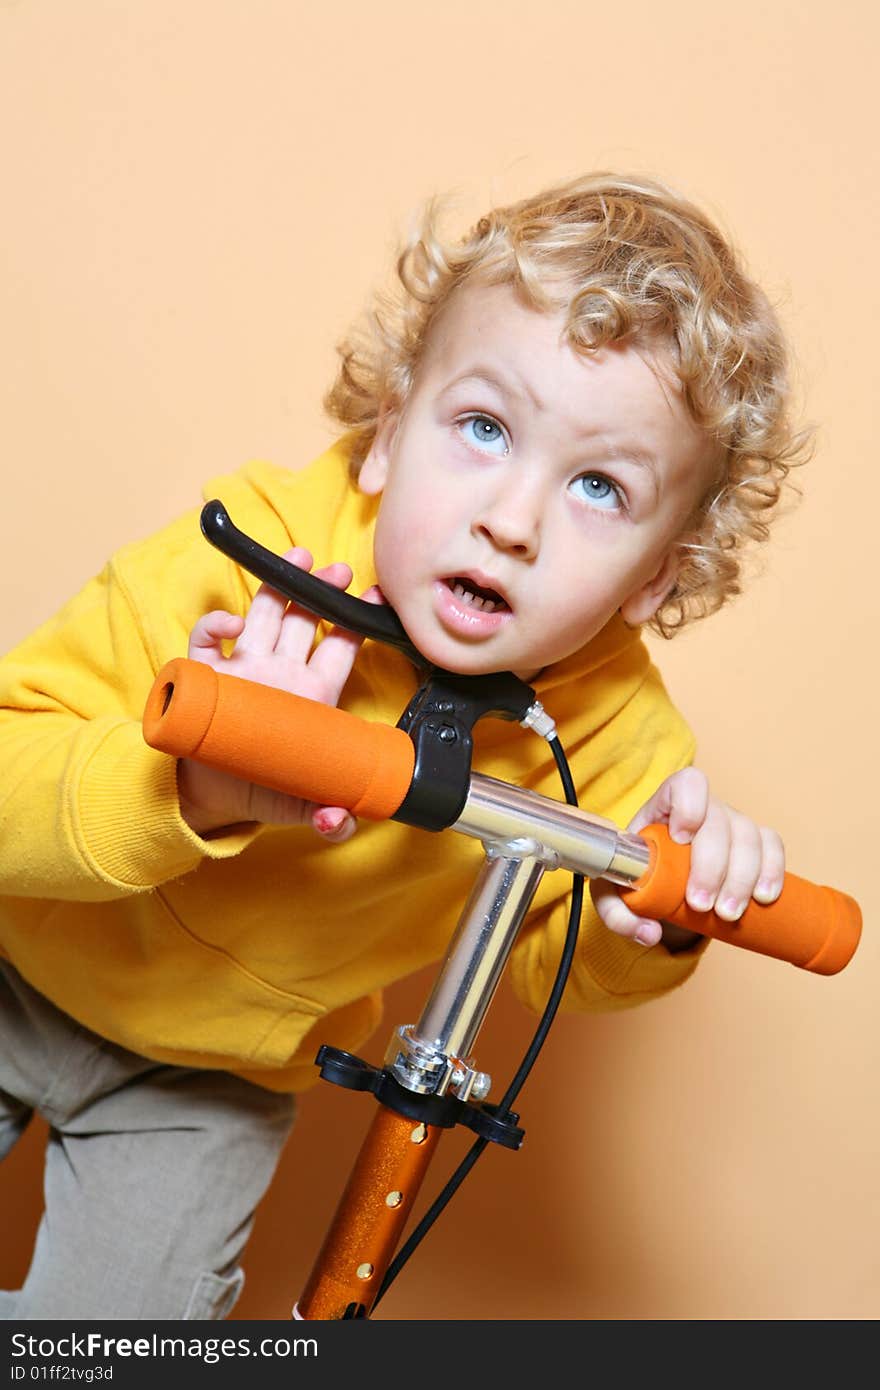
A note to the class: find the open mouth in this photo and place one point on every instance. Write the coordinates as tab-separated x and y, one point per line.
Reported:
482	600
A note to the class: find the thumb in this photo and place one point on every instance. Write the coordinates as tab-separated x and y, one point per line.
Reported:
334	824
617	917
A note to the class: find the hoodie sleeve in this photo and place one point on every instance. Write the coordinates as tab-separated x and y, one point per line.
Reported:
87	810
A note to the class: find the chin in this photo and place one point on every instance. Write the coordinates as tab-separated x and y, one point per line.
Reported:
468	663
455	657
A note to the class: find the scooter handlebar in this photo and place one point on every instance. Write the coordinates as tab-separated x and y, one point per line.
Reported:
334	758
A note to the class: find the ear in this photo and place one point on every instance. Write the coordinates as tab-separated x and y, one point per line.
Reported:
374	469
641	605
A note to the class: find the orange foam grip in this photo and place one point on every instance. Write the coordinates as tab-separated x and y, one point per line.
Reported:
278	740
809	925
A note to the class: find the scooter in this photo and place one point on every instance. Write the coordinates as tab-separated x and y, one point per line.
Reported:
419	772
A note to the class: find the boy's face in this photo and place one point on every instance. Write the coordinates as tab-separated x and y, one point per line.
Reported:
529	491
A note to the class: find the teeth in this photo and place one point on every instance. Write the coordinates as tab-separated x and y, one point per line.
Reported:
487	605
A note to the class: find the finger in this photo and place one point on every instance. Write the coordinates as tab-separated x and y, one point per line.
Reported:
772	875
709	855
209	633
334	824
334	657
298	628
617	917
743	868
681	802
262	626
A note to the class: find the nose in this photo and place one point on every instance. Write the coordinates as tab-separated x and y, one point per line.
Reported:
510	518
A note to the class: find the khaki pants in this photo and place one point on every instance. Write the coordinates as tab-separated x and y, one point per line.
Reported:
152	1175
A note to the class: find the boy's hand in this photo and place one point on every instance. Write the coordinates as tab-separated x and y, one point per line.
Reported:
732	860
274	645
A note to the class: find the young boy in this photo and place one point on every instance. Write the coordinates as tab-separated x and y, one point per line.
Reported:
564	429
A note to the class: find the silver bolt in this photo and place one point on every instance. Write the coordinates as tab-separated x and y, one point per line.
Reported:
482	1085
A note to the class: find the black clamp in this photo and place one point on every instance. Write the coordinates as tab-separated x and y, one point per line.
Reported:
344	1069
440	719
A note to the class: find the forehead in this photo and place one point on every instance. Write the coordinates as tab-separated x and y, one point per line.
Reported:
488	335
481	320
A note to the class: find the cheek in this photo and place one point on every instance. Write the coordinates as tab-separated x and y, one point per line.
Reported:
587	592
402	541
399	530
412	521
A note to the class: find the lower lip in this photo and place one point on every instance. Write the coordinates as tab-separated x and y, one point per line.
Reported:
461	619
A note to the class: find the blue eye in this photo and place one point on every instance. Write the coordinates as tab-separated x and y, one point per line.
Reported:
598	491
485	433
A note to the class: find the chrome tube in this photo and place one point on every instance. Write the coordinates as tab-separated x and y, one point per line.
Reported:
523	834
478	953
498	814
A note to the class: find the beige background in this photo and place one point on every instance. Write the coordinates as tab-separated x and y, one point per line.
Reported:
197	198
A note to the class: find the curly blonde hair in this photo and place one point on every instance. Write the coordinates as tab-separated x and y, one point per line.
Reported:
621	256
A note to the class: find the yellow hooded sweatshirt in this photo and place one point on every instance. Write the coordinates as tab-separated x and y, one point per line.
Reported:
246	951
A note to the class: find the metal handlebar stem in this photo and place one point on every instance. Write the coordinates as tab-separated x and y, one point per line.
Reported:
523	835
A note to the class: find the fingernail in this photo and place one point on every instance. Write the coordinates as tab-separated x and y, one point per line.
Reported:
699	899
766	888
731	909
646	934
328	821
681	837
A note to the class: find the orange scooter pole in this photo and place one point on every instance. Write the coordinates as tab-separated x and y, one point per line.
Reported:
373	1210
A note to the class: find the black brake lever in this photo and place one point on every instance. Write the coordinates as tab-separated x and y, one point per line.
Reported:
375	620
446	693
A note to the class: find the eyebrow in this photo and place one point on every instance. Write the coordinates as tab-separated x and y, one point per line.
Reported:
628	453
486	378
623	453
